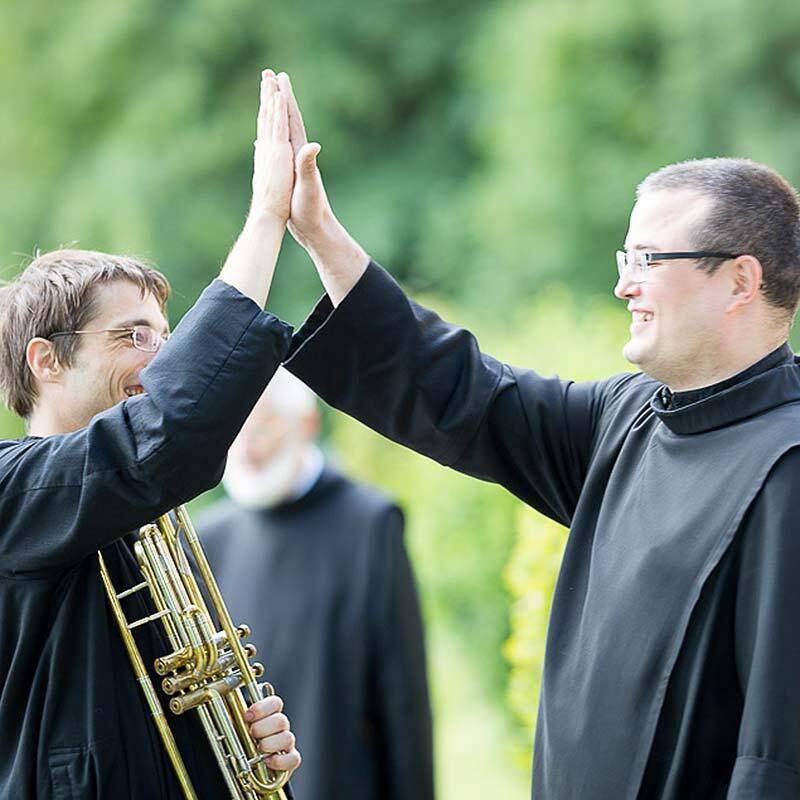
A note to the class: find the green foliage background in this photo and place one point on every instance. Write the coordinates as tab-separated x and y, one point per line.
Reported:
485	152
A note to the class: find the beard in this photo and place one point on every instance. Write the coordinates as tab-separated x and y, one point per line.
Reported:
267	486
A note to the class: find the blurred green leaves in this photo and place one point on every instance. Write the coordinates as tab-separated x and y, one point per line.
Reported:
484	152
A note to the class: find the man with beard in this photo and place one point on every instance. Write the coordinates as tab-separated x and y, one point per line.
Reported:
320	561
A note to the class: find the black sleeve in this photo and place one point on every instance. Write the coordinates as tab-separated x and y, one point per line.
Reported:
399	691
63	497
401	370
767	642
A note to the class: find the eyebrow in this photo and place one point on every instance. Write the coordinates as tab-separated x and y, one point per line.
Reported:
648	247
132	323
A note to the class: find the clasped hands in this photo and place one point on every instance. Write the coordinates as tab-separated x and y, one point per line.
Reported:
287	187
286	181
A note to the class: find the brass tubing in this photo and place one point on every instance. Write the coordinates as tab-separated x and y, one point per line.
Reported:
169	622
153	570
208	670
260	776
216	740
182	574
146	685
277	778
205	694
175	593
173	661
171	535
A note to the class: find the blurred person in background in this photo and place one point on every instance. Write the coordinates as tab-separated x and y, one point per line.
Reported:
673	656
319	561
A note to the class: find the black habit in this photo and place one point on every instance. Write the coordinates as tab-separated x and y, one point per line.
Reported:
73	721
327	579
673	660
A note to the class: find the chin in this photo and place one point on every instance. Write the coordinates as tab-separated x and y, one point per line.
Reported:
632	353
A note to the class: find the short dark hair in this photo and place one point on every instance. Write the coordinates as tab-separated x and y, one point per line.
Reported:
57	292
754	211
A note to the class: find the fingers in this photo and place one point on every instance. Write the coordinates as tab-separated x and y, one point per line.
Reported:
263	708
281	742
269	86
280	122
289	761
297	130
271	728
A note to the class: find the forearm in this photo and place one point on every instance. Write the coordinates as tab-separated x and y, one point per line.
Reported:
250	265
396	367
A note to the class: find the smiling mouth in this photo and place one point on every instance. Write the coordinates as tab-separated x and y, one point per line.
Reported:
132	391
642	316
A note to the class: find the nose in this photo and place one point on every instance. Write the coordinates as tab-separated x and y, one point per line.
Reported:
626	287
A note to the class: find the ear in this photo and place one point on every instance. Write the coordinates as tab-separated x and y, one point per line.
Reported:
747	278
42	362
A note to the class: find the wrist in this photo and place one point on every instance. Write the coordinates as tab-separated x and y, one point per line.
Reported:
331	243
265	219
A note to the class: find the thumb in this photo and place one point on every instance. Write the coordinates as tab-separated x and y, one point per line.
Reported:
307	160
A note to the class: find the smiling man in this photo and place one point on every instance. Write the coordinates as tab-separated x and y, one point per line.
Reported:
122	426
673	657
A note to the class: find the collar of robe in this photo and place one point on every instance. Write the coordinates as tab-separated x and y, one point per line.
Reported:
753	391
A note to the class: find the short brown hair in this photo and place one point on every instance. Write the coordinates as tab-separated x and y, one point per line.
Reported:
57	292
754	211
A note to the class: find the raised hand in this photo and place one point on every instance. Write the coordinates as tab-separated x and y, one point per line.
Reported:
310	209
339	259
250	265
273	161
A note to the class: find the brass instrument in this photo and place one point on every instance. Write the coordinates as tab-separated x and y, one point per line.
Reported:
208	669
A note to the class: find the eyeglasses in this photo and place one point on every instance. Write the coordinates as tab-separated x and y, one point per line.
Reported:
143	337
639	263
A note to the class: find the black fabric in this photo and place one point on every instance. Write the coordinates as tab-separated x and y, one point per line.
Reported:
674	400
326	585
671	669
73	721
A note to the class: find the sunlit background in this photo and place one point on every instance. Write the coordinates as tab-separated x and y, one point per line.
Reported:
486	153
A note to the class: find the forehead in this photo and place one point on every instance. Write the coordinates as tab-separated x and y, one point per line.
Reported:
122	304
664	220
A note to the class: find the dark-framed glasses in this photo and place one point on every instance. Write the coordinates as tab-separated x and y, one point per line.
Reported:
637	263
143	337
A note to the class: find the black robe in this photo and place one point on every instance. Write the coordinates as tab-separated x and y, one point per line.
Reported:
73	721
327	579
672	657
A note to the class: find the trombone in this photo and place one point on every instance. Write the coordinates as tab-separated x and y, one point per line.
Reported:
208	669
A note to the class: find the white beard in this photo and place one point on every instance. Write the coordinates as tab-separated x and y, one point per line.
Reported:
269	485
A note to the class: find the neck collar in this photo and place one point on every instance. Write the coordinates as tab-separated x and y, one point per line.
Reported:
770	382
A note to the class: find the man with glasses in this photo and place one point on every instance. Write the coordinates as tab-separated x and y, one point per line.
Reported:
120	429
673	656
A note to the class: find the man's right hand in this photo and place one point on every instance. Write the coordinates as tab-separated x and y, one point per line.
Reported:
339	259
310	210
